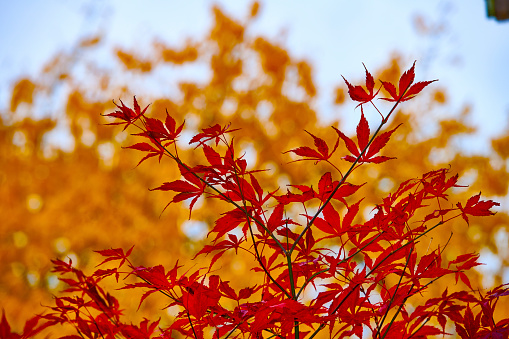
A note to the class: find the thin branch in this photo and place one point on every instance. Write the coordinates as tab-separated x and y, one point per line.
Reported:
350	170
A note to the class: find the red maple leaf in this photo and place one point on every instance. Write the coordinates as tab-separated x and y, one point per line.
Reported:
363	133
128	115
193	187
476	208
163	133
115	254
229	221
151	150
331	222
213	132
321	152
405	81
222	247
358	93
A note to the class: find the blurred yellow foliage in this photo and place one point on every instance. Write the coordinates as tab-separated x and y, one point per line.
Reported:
178	57
440	97
340	96
23	91
66	204
501	146
132	62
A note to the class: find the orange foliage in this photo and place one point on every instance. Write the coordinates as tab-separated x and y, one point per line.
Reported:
305	78
274	59
339	96
178	57
501	146
133	63
255	8
440	97
57	204
23	91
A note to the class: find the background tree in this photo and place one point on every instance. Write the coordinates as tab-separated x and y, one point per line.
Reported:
58	198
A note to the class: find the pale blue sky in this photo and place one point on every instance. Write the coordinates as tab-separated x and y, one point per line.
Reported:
470	55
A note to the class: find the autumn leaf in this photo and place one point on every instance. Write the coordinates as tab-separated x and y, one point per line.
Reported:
358	93
191	188
331	222
229	221
363	133
162	133
405	84
476	207
151	151
128	115
115	254
232	243
215	133
321	152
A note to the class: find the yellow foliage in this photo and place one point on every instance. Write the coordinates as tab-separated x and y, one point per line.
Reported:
89	42
339	96
440	97
178	57
255	8
133	63
501	146
305	78
227	33
274	59
23	91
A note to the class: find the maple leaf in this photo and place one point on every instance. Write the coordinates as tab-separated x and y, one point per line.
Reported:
499	291
476	207
331	222
222	247
229	221
128	115
358	93
198	298
185	191
321	152
115	254
213	132
146	147
326	186
405	83
31	329
160	132
5	329
363	133
289	197
212	156
468	261
145	330
276	218
193	187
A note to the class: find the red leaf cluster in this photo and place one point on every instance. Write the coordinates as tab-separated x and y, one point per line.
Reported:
366	276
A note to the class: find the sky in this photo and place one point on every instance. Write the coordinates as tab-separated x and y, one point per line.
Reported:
464	49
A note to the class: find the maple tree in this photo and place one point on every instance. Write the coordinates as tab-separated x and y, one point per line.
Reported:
34	199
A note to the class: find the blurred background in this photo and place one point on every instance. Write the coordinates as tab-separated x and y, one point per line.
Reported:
271	68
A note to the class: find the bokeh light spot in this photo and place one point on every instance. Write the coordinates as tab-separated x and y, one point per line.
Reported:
34	203
20	239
